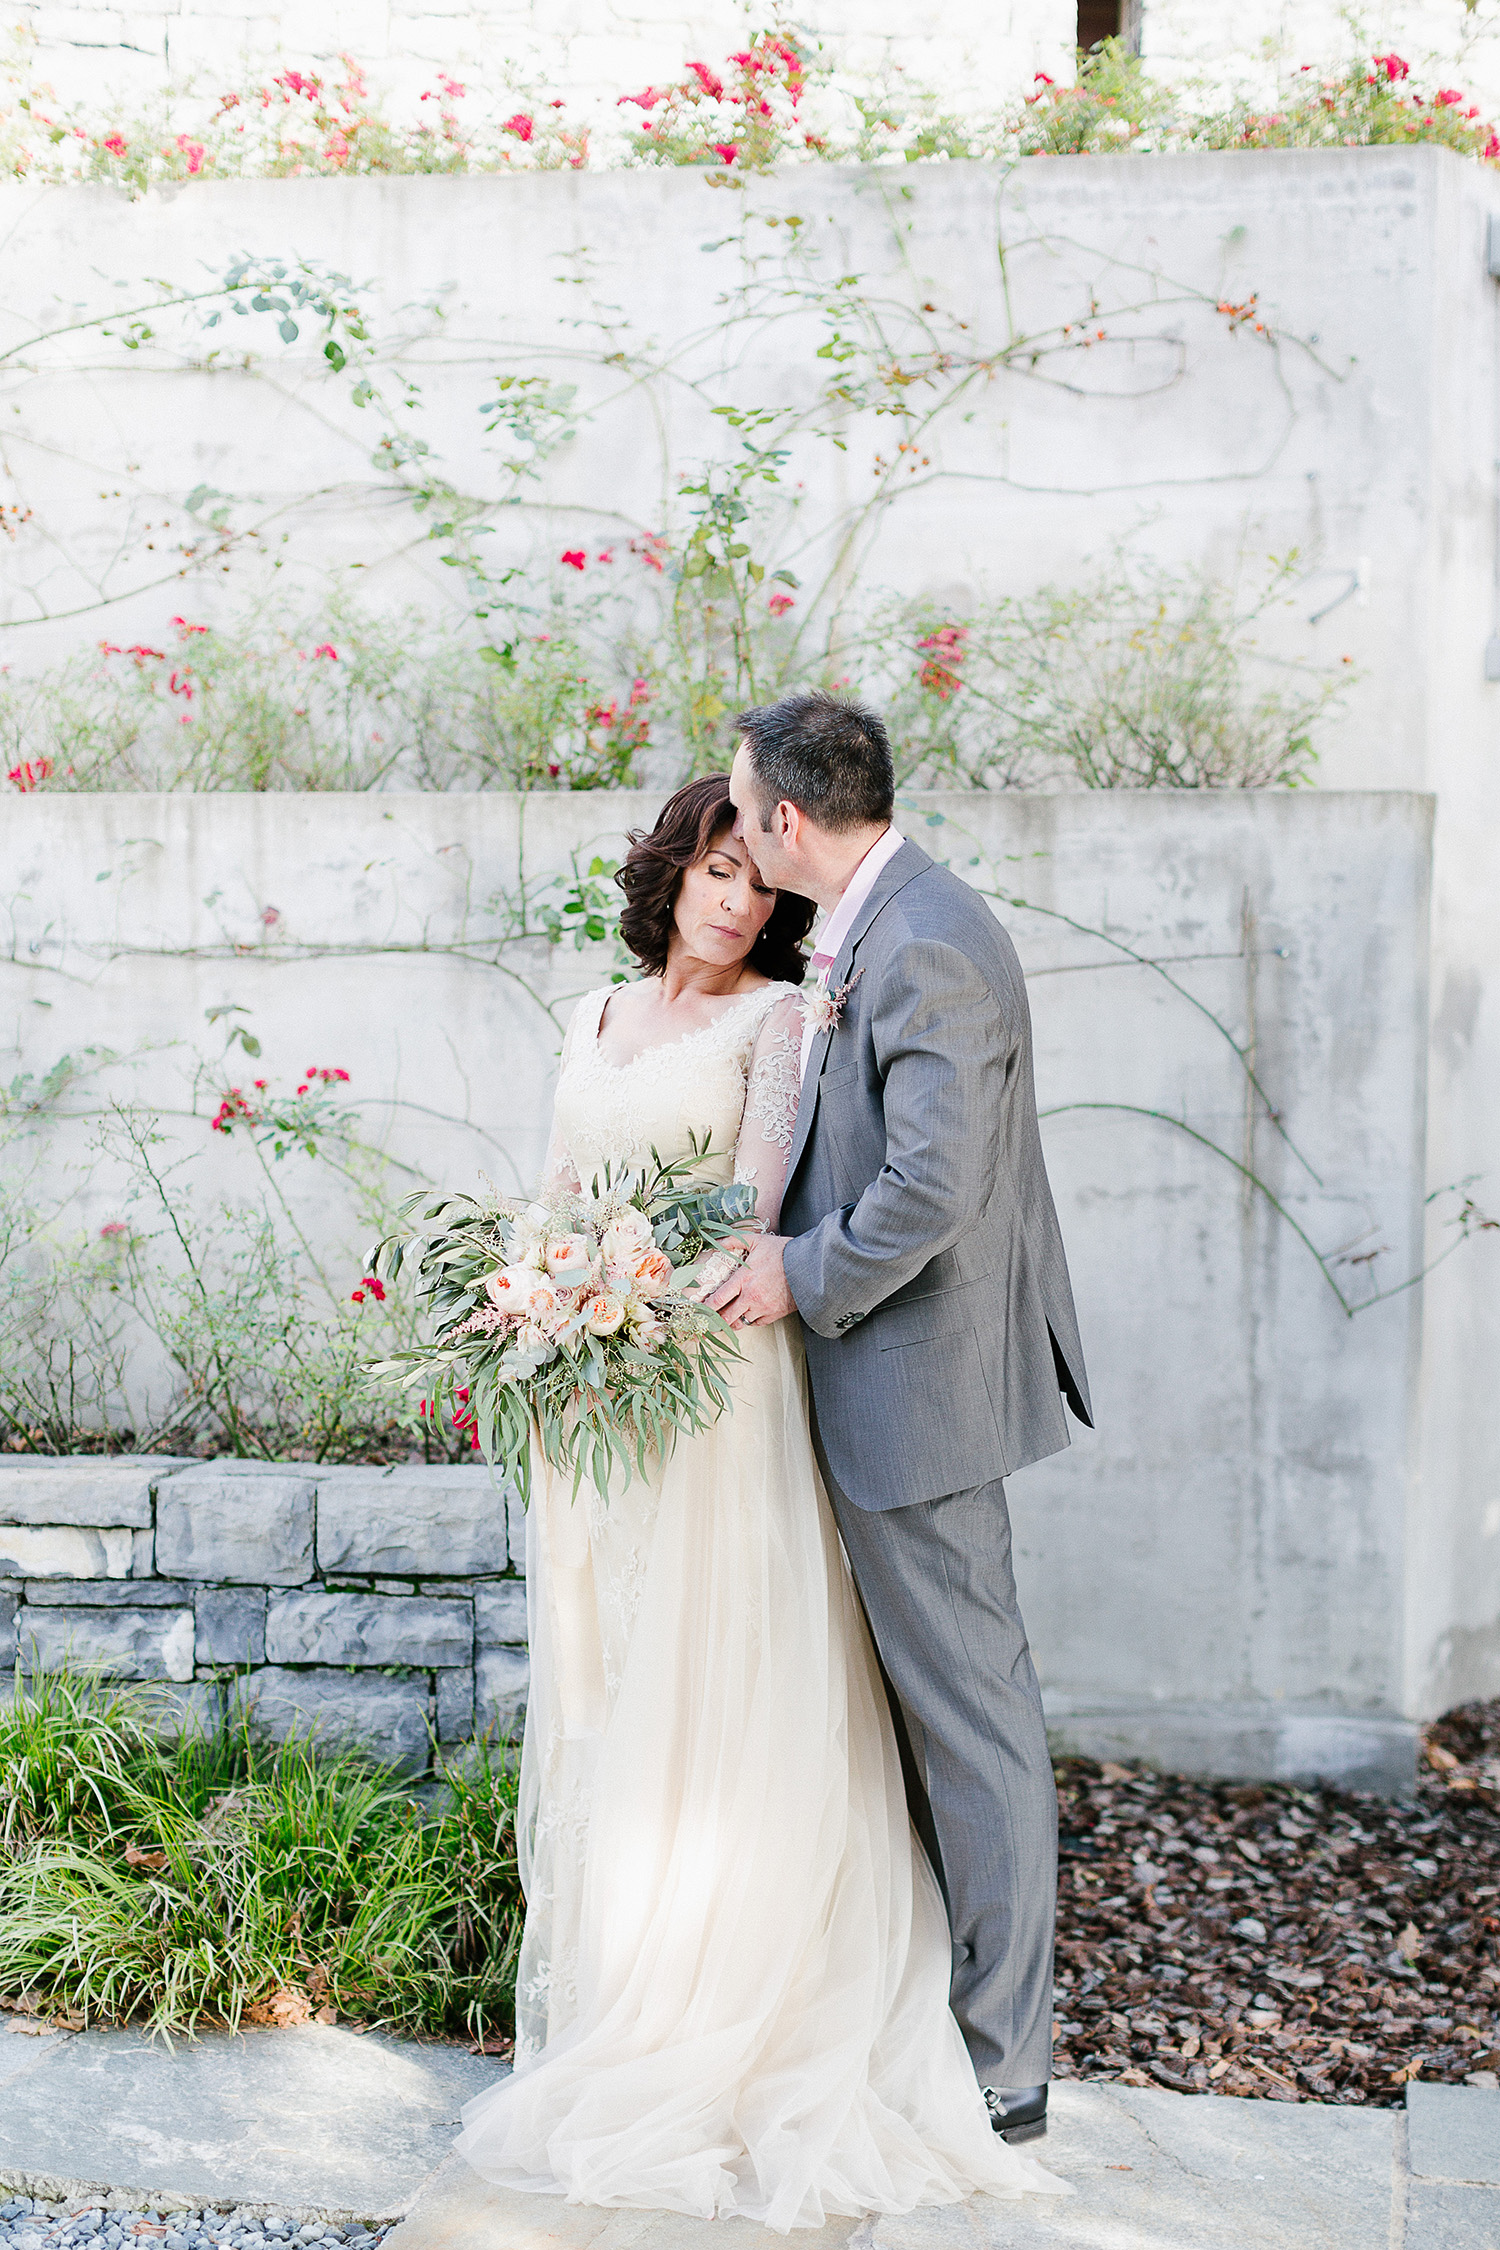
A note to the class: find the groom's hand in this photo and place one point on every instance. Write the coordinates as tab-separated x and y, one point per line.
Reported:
757	1294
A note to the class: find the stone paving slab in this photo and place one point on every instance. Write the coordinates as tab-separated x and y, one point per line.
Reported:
316	2118
1444	2218
1453	2133
1151	2170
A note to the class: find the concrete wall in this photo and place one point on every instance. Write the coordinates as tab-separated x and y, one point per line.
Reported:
1358	431
1223	1576
366	1605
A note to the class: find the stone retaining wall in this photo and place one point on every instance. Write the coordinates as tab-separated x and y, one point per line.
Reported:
383	1606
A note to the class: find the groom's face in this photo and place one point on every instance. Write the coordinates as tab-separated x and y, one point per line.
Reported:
764	847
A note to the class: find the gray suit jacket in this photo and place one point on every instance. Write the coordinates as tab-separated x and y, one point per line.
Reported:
926	1259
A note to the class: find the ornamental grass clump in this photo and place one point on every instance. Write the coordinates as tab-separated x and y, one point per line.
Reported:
184	1879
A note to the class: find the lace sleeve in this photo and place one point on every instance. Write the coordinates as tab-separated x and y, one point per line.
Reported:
772	1089
559	1170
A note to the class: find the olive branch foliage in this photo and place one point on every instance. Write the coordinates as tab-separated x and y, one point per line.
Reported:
596	1401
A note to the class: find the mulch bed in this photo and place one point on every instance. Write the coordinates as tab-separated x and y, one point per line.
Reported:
1293	1944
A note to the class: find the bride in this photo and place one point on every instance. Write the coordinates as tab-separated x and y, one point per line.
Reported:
733	1984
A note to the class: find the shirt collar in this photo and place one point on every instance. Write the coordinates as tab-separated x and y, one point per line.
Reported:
840	922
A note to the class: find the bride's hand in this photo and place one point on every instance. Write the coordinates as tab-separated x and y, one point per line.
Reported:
713	1271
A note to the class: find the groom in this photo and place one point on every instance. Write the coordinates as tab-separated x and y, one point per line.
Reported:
922	1252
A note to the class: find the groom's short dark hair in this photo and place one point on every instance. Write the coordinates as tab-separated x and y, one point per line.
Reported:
829	758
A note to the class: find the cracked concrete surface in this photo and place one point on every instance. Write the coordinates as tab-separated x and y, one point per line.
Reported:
1151	2170
322	2120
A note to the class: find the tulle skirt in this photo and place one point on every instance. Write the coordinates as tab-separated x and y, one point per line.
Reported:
733	1987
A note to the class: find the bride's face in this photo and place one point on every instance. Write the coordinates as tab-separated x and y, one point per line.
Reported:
722	905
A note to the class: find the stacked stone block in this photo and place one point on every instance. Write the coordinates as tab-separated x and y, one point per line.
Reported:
378	1606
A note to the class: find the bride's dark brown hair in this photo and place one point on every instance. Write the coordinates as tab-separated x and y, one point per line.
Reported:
687	826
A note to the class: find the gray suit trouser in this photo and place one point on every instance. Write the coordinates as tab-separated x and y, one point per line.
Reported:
940	1595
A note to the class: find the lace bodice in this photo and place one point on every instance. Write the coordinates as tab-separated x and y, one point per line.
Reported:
733	1083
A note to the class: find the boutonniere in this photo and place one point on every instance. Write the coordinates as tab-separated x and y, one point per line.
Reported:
824	1009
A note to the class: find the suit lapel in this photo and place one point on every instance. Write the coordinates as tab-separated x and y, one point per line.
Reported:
893	877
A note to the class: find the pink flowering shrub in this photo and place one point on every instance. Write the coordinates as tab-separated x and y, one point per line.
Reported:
744	112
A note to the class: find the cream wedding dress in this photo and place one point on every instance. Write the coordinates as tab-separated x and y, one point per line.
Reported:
733	1986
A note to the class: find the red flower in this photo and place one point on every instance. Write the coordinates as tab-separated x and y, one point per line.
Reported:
725	151
111	1228
574	557
521	125
356	1296
944	650
1041	79
27	775
648	100
746	60
708	79
193	151
1393	66
605	554
115	143
326	648
1447	98
183	627
779	604
271	917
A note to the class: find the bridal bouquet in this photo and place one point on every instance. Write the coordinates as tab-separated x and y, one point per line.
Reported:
568	1319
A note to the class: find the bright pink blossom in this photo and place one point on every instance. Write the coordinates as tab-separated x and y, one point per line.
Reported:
725	151
1393	66
326	648
193	151
521	125
647	100
779	604
708	79
574	557
115	143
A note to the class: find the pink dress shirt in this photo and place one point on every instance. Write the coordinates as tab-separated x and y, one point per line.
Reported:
841	921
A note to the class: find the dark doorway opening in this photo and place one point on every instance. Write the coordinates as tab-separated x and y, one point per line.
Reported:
1109	19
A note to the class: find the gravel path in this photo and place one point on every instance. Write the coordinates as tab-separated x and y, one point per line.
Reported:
31	2223
1292	1944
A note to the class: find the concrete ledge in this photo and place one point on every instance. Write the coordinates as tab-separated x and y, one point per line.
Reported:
1242	1742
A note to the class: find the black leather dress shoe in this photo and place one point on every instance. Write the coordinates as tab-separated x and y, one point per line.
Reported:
1018	2113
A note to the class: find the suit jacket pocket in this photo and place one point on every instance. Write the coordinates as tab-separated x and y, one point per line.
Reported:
934	1428
931	1331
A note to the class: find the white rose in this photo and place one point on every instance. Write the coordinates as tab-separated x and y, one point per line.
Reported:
626	1236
